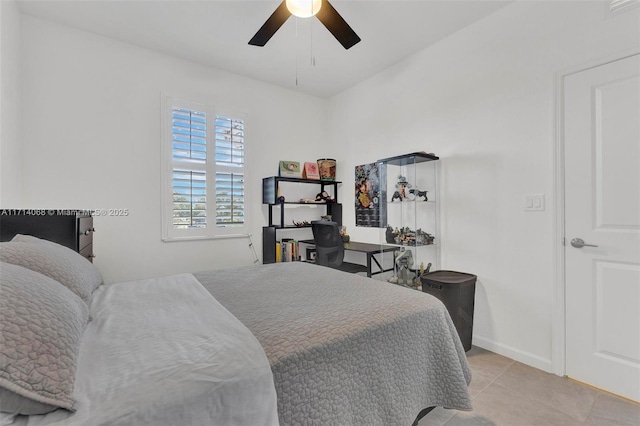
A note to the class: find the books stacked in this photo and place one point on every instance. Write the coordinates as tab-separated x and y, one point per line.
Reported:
287	250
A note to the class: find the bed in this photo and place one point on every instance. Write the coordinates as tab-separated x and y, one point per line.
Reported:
287	344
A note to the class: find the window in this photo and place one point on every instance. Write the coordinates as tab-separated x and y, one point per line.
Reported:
204	172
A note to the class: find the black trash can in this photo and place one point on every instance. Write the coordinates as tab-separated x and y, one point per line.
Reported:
456	290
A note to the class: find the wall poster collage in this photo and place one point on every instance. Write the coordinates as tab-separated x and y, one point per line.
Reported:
370	196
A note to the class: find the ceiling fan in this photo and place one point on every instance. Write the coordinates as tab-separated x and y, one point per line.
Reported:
325	12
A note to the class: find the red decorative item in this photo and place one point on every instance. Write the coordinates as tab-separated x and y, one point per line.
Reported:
310	171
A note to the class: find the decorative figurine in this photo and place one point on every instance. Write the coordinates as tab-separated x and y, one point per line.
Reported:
417	193
406	237
344	234
403	264
324	196
390	235
401	187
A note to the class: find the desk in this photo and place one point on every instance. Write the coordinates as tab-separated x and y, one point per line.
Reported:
367	248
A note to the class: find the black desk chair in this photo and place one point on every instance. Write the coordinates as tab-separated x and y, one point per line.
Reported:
330	247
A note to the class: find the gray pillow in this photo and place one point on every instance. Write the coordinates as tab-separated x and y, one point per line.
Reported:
41	323
55	261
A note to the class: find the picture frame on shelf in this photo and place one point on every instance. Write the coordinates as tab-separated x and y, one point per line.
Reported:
310	171
289	169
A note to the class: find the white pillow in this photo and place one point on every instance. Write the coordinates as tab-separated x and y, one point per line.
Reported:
41	324
55	261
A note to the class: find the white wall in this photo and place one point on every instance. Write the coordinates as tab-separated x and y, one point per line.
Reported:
483	100
91	139
10	141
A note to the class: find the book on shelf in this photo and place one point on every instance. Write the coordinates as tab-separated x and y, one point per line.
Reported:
287	250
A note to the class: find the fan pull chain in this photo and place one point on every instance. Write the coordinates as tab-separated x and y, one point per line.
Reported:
296	53
311	58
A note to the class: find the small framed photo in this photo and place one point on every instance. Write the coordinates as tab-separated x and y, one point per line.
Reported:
289	169
311	171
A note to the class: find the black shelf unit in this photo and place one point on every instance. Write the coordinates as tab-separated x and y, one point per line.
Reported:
270	190
271	184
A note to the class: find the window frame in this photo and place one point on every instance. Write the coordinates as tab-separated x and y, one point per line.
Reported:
212	230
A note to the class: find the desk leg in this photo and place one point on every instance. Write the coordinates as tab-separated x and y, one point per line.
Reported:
369	256
380	269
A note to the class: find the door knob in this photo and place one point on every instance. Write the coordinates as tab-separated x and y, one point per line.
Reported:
579	243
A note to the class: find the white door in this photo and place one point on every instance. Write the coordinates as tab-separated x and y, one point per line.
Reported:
602	208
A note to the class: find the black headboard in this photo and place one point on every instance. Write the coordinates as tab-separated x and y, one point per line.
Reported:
70	228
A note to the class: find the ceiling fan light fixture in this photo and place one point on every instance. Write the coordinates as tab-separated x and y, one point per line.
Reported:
329	17
304	8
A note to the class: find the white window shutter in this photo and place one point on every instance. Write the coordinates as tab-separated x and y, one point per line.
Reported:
230	185
189	180
189	199
189	134
229	141
204	172
229	199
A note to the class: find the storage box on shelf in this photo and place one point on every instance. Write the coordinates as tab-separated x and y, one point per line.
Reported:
411	217
286	193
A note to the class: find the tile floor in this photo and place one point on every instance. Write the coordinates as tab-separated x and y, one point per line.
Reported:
506	392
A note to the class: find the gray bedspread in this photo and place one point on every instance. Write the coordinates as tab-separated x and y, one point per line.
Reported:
345	349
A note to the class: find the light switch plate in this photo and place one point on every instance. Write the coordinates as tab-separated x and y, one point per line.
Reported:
534	202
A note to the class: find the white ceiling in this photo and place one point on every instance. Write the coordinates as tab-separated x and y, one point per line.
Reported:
216	33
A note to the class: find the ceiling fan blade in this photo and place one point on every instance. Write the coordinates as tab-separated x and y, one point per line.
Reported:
269	28
337	26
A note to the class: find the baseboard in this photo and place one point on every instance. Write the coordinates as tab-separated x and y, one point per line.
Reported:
513	353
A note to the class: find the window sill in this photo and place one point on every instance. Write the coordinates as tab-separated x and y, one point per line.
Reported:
202	238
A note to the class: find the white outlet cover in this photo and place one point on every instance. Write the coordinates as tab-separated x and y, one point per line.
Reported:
534	202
